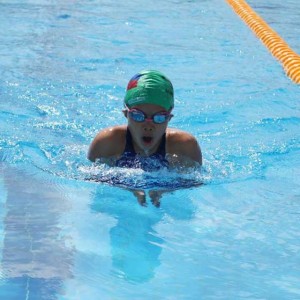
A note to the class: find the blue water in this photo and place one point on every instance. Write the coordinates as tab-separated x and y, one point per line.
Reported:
233	234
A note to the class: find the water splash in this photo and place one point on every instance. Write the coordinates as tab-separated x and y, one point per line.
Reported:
70	162
140	179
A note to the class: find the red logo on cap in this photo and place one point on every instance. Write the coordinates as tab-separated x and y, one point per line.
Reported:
134	81
132	84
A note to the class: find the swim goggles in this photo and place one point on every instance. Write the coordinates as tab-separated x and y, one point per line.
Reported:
139	116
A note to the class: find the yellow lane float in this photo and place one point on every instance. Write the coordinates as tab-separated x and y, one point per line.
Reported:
289	59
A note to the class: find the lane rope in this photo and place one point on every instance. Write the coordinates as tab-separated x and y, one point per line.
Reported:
289	59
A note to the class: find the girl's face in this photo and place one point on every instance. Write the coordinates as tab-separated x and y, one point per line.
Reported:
147	135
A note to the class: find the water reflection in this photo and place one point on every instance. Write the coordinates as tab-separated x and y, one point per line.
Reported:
135	241
35	260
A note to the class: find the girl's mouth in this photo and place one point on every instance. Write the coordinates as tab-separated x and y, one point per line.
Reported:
147	139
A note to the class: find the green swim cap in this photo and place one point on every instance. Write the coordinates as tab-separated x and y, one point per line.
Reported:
150	87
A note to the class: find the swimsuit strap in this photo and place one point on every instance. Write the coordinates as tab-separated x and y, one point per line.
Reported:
129	144
162	146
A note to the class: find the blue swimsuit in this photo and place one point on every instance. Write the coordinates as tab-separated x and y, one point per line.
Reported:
154	162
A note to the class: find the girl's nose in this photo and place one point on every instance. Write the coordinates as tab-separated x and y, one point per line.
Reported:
148	128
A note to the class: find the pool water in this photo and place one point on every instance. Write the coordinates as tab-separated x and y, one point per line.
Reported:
227	231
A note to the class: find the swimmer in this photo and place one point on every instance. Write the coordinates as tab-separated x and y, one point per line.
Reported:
146	141
148	106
